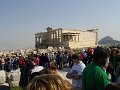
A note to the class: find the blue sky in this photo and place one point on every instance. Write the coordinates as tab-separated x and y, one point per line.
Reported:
21	19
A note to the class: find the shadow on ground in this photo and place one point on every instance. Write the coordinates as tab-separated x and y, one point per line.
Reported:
64	70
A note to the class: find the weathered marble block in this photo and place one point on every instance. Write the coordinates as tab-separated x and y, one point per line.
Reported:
2	77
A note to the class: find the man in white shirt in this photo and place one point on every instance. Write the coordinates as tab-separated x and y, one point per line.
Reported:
76	72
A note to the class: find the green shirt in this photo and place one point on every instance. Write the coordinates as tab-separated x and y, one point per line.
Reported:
94	78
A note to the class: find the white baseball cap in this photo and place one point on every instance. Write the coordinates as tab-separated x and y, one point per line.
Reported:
37	69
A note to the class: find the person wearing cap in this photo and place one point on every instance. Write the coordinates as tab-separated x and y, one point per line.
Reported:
37	70
94	75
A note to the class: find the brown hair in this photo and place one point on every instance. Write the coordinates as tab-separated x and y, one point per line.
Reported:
49	82
113	86
117	57
76	56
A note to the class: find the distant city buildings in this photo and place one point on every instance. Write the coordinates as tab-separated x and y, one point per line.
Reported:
66	38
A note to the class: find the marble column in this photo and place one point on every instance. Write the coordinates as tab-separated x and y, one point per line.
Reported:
40	39
53	37
58	39
75	37
61	39
36	41
78	37
96	36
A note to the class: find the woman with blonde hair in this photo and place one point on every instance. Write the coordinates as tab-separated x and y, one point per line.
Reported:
48	82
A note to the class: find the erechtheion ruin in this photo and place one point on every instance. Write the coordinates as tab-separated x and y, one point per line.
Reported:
66	38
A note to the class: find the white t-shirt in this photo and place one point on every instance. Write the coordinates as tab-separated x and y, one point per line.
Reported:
77	69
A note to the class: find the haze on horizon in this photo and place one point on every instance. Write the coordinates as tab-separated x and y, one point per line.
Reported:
21	19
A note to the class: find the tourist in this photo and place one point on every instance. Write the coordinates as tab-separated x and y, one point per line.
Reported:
70	60
42	59
0	63
49	82
94	75
39	70
36	60
118	68
3	62
21	62
36	71
113	86
25	74
76	72
46	61
59	58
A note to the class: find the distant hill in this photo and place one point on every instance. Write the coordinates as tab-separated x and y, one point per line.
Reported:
108	40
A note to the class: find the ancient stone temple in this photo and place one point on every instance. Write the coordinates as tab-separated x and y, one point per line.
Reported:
66	38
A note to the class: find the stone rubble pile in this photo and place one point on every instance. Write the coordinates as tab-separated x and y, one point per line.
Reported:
12	78
2	77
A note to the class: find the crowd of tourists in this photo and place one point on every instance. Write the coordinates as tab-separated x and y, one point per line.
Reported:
13	62
90	69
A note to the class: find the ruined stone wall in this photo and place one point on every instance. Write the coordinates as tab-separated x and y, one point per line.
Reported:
68	38
40	39
81	39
